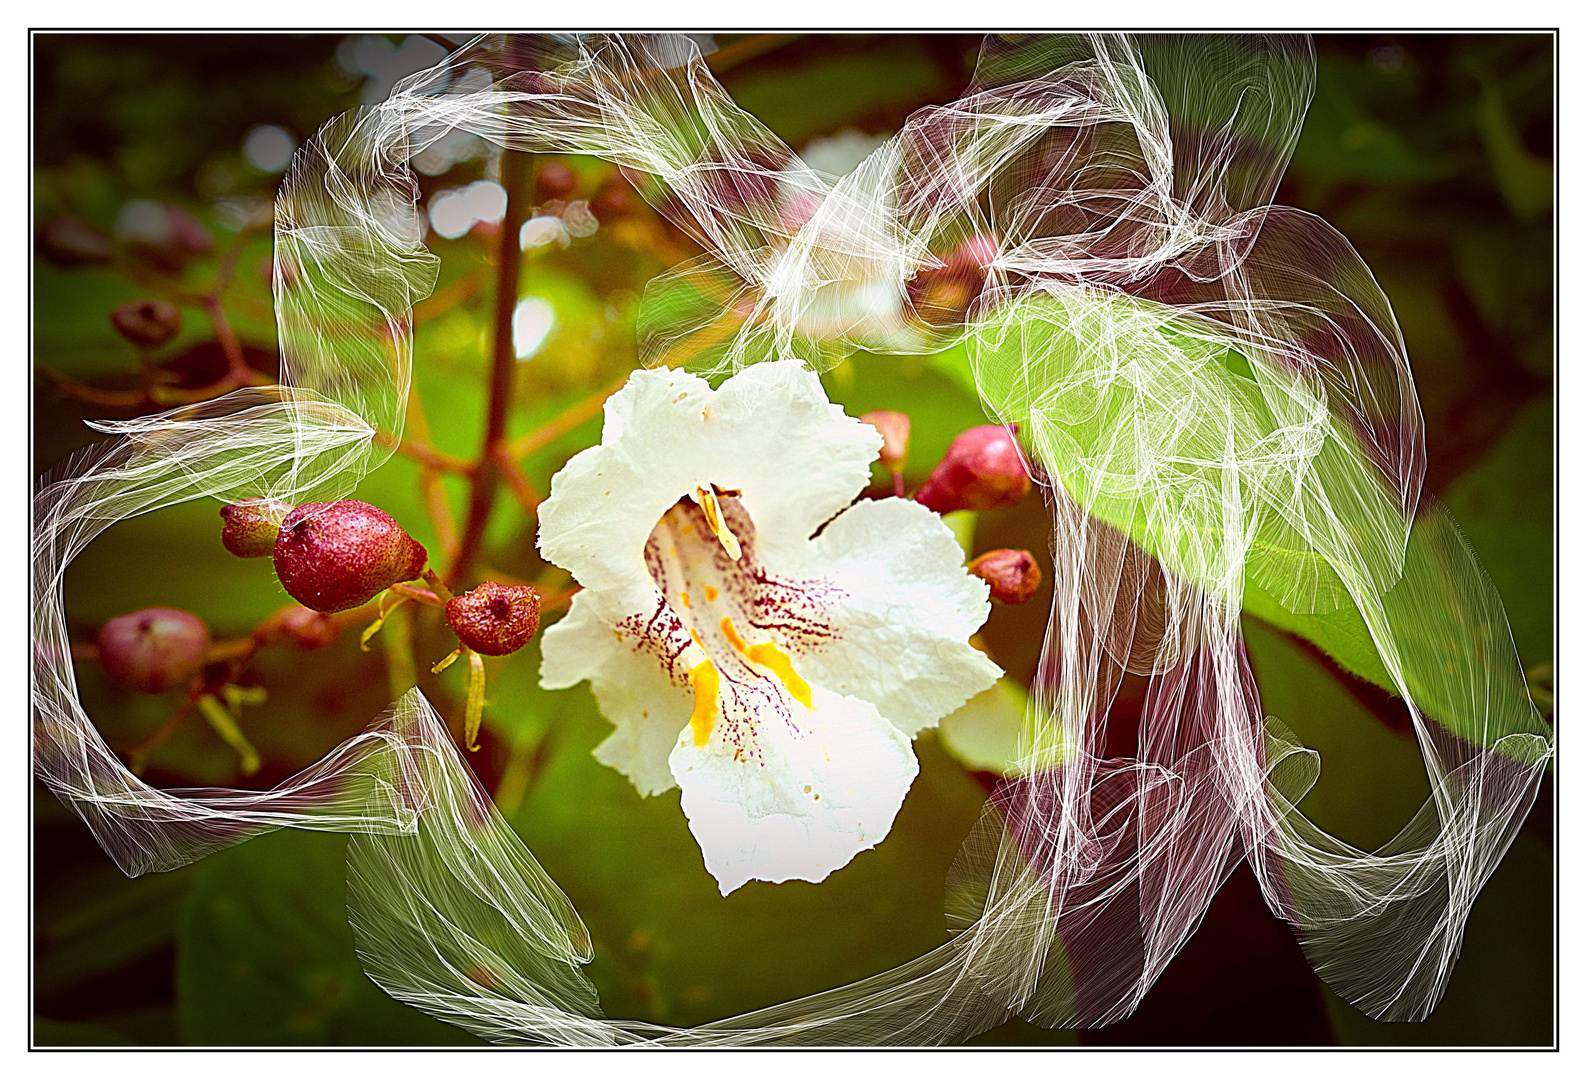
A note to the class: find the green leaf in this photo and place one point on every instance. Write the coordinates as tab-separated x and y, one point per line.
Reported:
265	956
1435	615
1372	781
668	946
1505	507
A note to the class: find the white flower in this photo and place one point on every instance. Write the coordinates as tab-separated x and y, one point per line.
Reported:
756	639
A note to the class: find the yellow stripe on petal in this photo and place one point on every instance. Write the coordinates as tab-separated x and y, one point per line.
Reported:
774	660
731	633
706	681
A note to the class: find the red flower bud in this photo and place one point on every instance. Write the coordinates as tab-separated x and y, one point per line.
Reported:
249	528
66	241
976	253
154	649
1013	576
336	556
894	427
495	620
982	470
166	236
614	200
297	627
148	323
554	181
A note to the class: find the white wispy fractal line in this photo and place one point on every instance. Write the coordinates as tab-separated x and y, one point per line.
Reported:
1214	387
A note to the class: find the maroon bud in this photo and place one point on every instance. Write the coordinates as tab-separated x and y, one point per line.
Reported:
1013	576
154	649
66	241
894	427
976	254
162	234
147	323
554	181
249	528
495	620
297	627
982	470
336	556
614	199
941	298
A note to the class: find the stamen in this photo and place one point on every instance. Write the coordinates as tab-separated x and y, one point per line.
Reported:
706	498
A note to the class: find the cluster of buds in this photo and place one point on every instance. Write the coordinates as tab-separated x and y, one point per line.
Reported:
329	557
337	556
163	236
159	649
983	469
160	236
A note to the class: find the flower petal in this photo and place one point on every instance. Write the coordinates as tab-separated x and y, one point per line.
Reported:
769	432
606	499
807	797
635	689
905	608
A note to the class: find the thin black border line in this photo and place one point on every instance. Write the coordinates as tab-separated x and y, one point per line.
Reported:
31	480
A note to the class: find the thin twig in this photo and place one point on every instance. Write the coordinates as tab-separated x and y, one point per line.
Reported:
730	56
424	454
504	365
522	490
423	596
565	421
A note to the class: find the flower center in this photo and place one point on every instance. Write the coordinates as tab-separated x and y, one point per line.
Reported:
745	622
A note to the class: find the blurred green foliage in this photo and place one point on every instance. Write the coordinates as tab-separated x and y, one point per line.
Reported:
1433	154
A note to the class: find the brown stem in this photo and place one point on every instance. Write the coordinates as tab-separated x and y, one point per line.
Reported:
487	474
565	421
730	56
238	372
138	756
118	399
517	483
425	455
264	215
232	649
423	596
